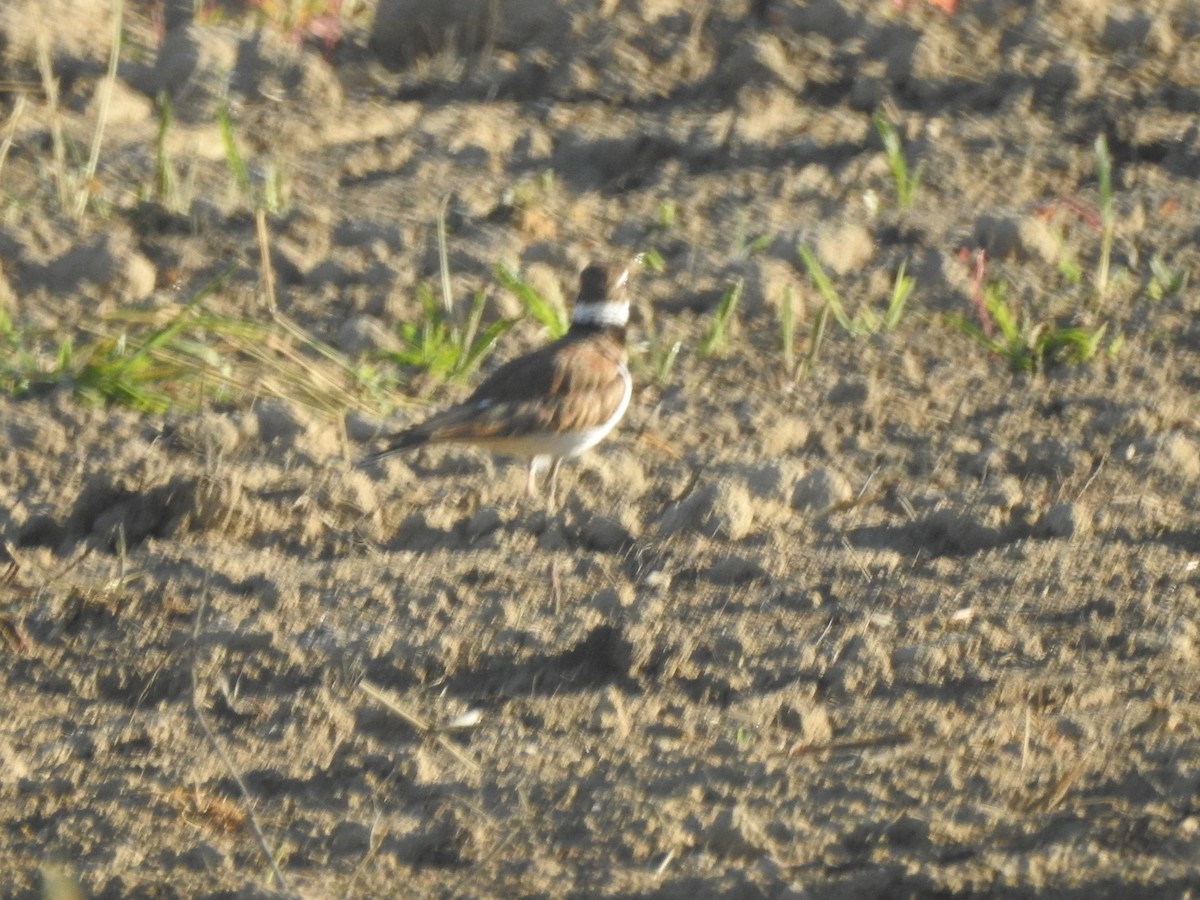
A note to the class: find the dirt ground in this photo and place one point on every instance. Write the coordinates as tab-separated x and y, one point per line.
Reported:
907	625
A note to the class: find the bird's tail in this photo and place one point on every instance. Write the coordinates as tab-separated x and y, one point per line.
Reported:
406	440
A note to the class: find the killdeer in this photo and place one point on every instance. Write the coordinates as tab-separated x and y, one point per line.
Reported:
551	404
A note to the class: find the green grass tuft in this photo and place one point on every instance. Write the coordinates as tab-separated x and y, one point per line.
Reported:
549	315
906	181
866	322
1165	281
1107	215
1031	346
444	347
787	330
138	360
722	318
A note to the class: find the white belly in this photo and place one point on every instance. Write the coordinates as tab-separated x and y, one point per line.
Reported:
568	444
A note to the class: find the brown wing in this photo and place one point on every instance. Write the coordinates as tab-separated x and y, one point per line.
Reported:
568	385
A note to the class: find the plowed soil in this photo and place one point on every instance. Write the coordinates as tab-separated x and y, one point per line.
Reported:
884	620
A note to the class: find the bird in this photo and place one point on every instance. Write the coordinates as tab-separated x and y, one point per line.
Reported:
551	404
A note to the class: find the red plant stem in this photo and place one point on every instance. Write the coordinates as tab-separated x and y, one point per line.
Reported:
985	318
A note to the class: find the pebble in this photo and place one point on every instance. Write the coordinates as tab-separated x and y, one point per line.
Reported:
820	490
1178	455
610	601
349	837
723	509
605	534
486	520
203	857
852	391
846	249
737	834
810	720
364	334
610	713
1051	459
207	433
279	421
734	569
1064	520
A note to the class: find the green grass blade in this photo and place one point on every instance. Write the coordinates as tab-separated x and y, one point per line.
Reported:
444	257
535	304
1107	219
724	315
815	339
902	287
484	344
233	156
825	287
787	329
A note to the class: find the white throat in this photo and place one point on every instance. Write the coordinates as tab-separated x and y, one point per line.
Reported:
609	314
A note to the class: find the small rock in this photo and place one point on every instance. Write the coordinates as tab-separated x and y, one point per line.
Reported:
1182	640
417	532
279	420
820	490
349	837
12	764
94	262
1053	459
734	569
1063	520
486	520
203	857
362	428
610	713
209	433
721	510
907	831
785	434
999	236
800	599
1006	494
846	249
610	600
126	106
736	834
766	481
951	531
1039	240
1179	456
854	390
1125	33
657	580
605	534
363	334
810	720
139	276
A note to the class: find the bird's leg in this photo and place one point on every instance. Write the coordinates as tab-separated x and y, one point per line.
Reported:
553	483
537	466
